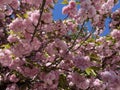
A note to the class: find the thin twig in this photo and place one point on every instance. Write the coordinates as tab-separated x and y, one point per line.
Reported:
39	20
73	44
62	57
82	42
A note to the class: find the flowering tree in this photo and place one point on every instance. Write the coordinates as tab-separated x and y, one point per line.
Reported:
38	53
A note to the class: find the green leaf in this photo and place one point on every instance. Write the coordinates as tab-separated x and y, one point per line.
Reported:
110	38
98	43
77	2
91	40
25	15
65	2
6	46
73	36
46	55
118	27
18	15
63	84
75	69
94	57
10	32
89	71
95	68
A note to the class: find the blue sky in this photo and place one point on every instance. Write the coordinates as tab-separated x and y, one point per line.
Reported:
57	14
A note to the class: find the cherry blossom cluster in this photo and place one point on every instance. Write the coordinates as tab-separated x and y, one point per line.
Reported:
115	19
39	53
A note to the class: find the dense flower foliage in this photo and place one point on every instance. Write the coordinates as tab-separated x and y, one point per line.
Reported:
38	53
